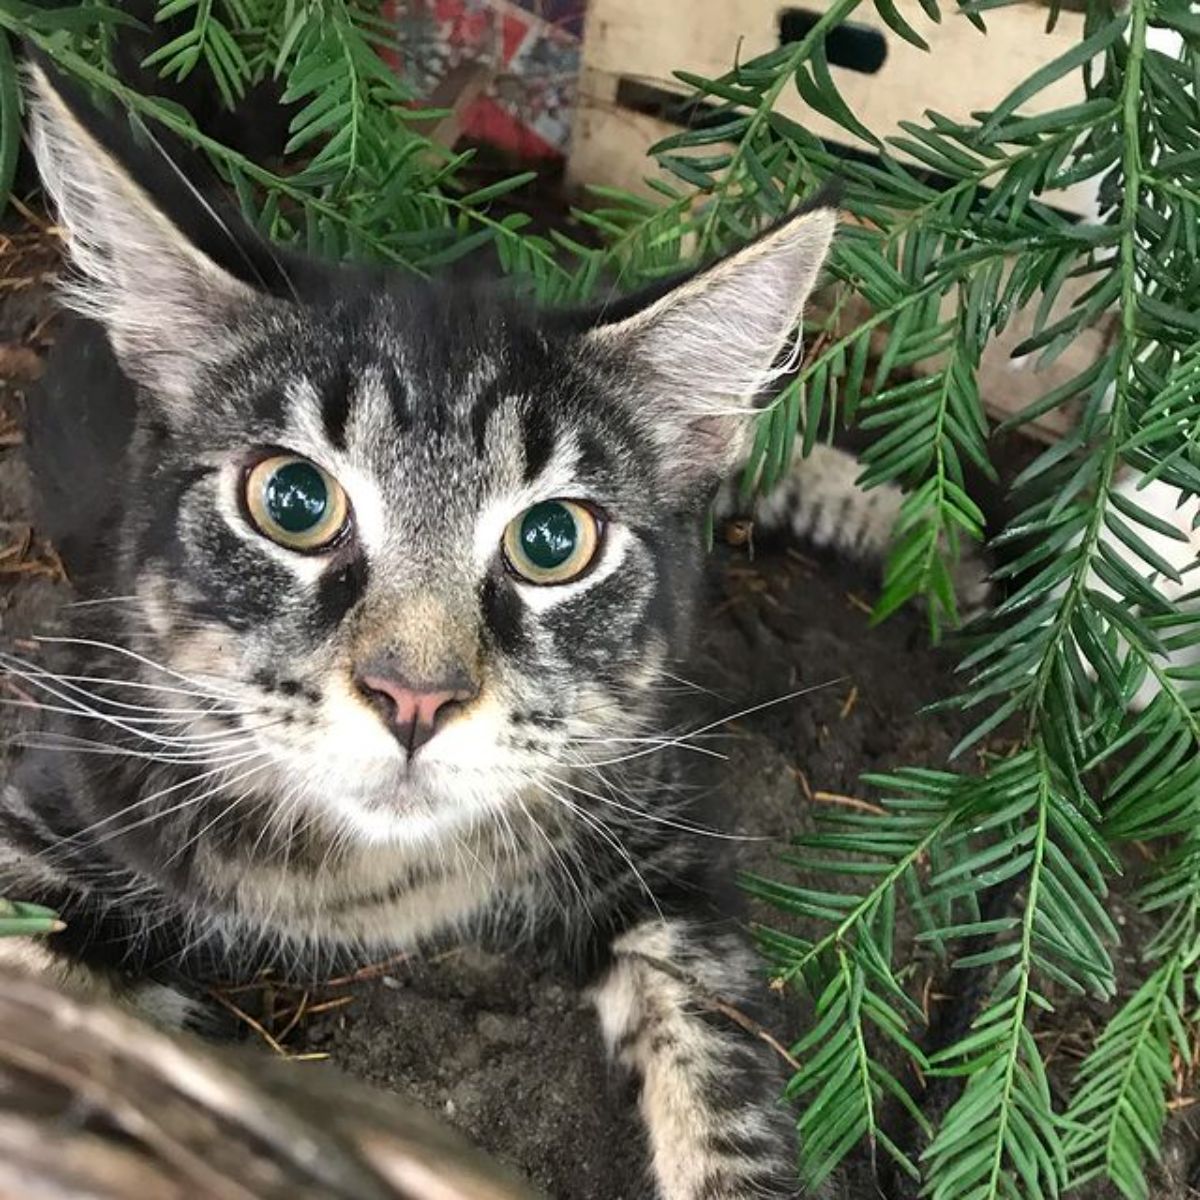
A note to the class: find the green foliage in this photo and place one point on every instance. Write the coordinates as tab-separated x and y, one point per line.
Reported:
1003	1137
953	233
18	919
941	839
850	969
357	177
1117	1108
1085	623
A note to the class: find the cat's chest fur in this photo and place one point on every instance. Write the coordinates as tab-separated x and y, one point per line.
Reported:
302	907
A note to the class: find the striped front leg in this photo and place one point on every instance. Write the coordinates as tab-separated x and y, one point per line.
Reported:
709	1091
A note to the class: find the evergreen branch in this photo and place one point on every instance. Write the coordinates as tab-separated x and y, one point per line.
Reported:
784	73
1119	1093
169	118
935	513
920	215
1003	1124
835	1080
1131	191
927	800
629	247
18	919
208	40
1011	1054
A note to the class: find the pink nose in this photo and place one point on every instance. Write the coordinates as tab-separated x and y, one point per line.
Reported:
414	715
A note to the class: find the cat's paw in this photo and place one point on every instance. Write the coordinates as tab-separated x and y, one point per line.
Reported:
172	1008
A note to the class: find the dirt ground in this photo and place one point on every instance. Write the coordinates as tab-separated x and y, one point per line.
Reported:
507	1051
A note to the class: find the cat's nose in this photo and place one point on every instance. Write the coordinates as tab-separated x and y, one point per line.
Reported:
414	712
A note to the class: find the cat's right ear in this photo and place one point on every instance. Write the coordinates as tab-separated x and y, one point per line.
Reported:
155	262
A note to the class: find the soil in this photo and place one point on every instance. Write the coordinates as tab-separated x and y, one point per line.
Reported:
508	1051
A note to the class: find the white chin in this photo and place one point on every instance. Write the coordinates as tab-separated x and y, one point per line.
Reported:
405	806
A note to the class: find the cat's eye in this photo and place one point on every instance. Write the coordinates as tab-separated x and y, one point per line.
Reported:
295	503
552	542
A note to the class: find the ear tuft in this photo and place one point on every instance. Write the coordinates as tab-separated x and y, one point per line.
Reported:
707	348
164	303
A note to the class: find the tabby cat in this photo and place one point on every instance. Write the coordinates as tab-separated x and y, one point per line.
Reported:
382	586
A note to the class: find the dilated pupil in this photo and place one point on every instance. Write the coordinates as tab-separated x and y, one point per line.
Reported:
548	535
296	497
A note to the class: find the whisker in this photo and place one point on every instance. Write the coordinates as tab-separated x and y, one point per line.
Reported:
71	743
217	221
567	874
142	822
194	747
598	826
655	743
133	684
195	839
87	707
141	658
683	739
88	830
659	819
97	600
695	687
83	711
37	678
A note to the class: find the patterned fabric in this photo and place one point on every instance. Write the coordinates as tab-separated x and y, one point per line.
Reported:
531	49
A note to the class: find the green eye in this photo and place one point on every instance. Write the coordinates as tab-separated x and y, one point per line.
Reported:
295	503
552	542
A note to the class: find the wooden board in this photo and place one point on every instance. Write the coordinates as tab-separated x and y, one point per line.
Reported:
644	41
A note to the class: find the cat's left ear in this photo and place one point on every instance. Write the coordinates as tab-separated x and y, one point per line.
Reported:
156	261
698	357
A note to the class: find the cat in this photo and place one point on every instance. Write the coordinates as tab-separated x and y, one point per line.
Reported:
381	581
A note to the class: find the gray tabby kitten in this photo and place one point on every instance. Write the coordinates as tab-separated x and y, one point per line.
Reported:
379	604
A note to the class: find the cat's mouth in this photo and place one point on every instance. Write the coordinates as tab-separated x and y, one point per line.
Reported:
418	802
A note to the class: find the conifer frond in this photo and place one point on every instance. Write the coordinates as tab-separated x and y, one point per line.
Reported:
19	919
211	39
1120	1093
843	1085
1089	660
1002	1137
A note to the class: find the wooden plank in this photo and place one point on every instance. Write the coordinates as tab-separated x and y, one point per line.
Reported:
966	71
1007	384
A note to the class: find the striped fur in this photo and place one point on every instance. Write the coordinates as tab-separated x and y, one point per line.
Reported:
819	501
212	793
702	1081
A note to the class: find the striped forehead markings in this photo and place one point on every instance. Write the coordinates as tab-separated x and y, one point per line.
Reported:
334	390
374	390
538	436
398	393
486	403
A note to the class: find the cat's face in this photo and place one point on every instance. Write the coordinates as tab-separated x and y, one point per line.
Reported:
357	495
432	551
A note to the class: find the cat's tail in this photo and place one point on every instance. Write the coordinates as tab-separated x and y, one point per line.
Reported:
819	501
